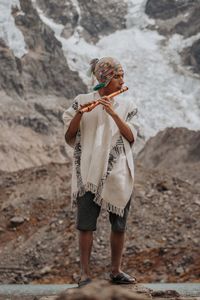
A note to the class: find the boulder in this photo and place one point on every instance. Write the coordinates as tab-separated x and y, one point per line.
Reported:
101	290
176	150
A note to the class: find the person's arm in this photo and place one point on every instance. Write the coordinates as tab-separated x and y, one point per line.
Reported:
75	123
121	124
73	126
123	128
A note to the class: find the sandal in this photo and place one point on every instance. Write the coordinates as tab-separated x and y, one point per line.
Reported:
122	278
84	282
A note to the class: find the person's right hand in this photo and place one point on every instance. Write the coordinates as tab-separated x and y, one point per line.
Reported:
87	105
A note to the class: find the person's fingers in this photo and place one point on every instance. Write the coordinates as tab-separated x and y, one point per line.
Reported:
86	104
104	102
106	98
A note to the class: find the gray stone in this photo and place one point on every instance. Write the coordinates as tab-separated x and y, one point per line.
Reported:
16	221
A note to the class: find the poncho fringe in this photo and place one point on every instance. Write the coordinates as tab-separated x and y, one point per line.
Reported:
90	187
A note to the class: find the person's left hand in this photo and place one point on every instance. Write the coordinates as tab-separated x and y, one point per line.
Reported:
107	105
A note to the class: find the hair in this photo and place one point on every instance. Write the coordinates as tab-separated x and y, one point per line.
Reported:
93	64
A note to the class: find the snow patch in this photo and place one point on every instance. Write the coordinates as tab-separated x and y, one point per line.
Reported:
8	30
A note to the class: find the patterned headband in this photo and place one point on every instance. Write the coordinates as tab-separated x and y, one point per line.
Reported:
104	70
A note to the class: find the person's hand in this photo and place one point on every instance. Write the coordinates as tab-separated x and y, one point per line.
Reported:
107	105
88	104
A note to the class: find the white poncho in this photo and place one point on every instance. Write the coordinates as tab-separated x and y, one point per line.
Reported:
103	158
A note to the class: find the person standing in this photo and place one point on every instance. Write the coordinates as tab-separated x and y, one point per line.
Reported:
103	166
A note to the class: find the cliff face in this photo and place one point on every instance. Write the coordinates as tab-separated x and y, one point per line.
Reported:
35	88
44	69
167	9
93	19
181	17
10	71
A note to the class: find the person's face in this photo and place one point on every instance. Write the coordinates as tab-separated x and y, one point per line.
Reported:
116	82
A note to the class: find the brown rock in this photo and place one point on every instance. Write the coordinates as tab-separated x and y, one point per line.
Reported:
101	291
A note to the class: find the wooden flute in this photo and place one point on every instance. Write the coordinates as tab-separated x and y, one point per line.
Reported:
89	107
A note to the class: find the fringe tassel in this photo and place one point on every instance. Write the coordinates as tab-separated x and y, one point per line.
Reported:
90	187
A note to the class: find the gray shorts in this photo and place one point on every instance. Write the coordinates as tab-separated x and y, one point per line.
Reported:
88	212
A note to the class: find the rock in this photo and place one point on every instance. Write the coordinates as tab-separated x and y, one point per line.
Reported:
181	147
181	17
2	230
45	270
191	58
147	262
10	71
100	290
16	221
166	9
180	270
92	19
62	12
99	18
43	69
165	294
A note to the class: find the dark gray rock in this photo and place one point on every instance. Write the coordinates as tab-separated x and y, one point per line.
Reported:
36	124
16	221
166	9
186	25
100	18
10	71
62	12
191	25
44	67
97	18
191	56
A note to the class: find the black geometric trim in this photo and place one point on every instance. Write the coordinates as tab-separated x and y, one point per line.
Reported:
77	159
75	105
131	114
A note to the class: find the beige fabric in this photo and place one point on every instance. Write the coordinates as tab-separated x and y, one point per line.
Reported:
103	160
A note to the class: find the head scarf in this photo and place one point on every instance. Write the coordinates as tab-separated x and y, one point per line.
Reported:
104	70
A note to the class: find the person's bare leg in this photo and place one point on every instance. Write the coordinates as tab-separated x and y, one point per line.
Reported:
85	248
117	243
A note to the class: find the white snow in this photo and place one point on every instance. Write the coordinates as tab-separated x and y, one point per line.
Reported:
8	30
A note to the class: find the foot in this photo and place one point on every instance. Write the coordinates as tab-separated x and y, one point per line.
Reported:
122	278
83	282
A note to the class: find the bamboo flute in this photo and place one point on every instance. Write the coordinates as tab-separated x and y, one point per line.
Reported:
89	107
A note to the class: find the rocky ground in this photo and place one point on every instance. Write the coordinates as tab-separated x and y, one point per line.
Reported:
37	227
101	290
